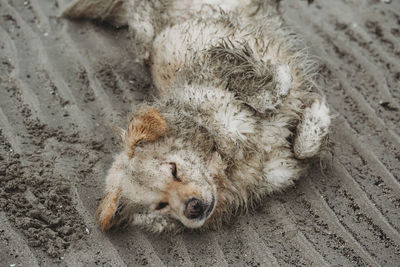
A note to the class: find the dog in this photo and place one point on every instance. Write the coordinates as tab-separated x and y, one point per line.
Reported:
236	119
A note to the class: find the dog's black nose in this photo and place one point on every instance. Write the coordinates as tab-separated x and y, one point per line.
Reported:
194	209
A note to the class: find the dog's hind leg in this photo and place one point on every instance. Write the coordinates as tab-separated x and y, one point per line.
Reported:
112	11
146	20
312	130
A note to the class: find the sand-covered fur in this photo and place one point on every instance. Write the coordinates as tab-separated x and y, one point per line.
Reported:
236	116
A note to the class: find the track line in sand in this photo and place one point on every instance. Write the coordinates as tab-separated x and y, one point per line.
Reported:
359	59
41	56
322	228
97	240
329	217
258	247
135	248
359	20
284	217
281	235
8	132
372	159
180	250
100	95
109	115
103	100
373	77
358	98
354	213
113	254
388	137
254	248
23	254
199	244
172	250
364	202
323	53
363	106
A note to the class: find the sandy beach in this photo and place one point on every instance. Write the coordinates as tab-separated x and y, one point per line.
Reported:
64	84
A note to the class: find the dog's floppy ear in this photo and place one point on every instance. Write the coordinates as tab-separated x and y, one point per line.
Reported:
107	208
147	125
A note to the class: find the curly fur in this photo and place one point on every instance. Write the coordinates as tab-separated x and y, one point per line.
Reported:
236	117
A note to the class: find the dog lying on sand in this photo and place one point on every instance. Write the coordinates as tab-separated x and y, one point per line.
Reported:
236	118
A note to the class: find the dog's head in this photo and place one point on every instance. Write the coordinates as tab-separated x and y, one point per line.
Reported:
160	176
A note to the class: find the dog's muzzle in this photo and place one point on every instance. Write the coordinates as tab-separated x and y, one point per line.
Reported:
197	210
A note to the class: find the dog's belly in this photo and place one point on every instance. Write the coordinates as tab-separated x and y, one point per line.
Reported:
174	47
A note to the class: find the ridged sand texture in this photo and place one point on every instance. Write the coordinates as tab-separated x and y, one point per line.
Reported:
63	83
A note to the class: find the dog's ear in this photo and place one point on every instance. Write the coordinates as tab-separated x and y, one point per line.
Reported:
147	125
107	208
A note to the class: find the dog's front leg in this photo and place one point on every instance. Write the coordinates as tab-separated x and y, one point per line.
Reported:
155	223
270	95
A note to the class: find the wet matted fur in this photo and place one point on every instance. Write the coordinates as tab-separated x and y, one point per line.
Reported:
236	119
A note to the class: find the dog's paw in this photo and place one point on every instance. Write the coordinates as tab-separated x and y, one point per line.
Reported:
312	130
272	94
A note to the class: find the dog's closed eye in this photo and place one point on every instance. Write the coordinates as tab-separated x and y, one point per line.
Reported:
161	205
174	172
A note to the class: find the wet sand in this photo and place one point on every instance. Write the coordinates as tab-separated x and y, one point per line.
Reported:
64	83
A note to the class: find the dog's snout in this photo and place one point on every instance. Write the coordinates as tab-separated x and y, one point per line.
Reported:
194	209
